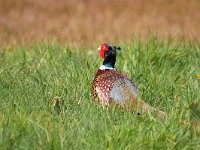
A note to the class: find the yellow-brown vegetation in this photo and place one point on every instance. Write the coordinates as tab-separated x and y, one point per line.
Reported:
82	21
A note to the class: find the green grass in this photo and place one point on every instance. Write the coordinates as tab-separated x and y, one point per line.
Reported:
166	74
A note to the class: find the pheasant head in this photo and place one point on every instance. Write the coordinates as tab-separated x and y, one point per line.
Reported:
108	53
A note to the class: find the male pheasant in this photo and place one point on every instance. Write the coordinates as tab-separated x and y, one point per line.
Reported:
110	86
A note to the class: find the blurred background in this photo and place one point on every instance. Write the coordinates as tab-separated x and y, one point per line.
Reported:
91	21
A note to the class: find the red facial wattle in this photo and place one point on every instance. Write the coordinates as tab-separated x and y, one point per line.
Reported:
104	48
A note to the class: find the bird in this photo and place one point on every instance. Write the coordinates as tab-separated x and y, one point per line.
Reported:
110	86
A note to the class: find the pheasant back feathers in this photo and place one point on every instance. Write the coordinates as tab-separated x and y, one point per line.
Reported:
110	85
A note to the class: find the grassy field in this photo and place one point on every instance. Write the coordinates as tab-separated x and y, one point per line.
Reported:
46	103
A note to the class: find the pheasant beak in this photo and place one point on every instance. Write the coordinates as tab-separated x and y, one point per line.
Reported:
99	48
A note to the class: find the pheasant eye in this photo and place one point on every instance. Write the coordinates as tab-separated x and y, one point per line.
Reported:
109	48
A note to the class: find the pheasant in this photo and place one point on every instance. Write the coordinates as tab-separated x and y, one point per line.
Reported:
110	86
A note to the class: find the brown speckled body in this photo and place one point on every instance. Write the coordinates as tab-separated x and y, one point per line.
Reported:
110	86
